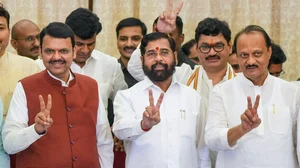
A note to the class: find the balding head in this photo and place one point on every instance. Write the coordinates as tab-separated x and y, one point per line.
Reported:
25	38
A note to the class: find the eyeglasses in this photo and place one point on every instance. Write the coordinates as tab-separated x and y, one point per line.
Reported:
205	48
277	74
153	53
30	39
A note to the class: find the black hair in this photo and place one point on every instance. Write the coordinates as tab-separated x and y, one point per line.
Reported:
153	37
277	56
84	23
251	29
131	22
179	24
187	46
213	27
57	30
4	13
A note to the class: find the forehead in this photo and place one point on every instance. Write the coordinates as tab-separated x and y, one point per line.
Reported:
56	43
28	29
161	43
211	39
251	40
130	31
3	21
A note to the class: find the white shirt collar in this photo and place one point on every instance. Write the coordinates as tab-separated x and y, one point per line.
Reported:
63	83
147	83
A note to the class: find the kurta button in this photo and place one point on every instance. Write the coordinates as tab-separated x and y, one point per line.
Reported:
64	92
72	142
70	125
68	109
74	158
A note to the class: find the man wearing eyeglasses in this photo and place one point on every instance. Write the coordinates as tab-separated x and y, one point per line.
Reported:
214	44
25	38
277	59
157	117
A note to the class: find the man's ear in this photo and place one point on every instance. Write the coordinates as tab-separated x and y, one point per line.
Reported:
142	59
230	46
74	52
13	43
182	38
175	57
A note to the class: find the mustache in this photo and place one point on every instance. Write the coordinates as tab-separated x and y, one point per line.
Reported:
159	63
34	48
128	48
212	56
252	66
57	61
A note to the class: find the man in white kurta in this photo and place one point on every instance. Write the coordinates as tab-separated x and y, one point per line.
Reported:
214	68
170	143
260	136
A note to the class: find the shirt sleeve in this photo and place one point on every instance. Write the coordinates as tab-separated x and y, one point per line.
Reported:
104	137
134	66
216	128
16	134
126	126
118	80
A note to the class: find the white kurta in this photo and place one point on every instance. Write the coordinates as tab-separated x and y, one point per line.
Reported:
171	143
18	135
271	145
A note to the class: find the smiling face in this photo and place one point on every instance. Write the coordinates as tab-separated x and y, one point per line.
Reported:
159	60
253	56
4	35
26	39
57	55
214	60
128	40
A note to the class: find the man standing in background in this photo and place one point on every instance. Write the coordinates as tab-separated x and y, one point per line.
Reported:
25	36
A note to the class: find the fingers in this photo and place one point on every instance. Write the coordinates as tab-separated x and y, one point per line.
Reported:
159	101
170	6
245	117
256	104
147	114
42	103
151	100
178	9
49	103
249	103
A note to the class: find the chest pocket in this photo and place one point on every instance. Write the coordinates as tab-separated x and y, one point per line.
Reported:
188	121
279	119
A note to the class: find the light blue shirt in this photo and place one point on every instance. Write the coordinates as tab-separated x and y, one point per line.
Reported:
4	158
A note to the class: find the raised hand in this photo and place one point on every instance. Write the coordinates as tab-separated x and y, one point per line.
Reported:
167	20
42	119
151	115
250	118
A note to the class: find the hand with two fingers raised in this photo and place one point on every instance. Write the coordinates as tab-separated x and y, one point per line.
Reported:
151	115
43	120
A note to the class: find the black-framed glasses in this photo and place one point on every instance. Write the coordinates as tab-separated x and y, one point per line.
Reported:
30	39
277	74
205	48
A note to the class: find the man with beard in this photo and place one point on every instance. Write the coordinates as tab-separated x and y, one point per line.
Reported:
157	117
252	118
25	36
213	39
130	32
69	128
